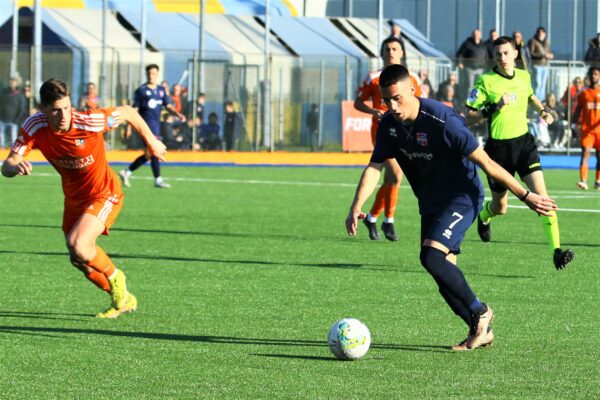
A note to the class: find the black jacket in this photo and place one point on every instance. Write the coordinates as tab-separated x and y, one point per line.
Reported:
13	106
473	55
593	52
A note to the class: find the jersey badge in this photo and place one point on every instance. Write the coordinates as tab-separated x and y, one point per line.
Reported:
79	142
148	93
392	132
422	139
473	96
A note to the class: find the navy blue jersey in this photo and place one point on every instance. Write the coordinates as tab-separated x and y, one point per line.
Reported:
149	102
432	152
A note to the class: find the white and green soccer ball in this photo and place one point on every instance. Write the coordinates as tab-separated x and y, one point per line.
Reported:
349	339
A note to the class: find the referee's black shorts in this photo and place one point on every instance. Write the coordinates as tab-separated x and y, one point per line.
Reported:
518	155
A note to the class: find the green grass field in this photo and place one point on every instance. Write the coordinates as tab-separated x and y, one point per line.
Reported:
240	272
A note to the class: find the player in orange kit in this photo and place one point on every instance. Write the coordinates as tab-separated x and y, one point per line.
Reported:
73	143
387	195
588	107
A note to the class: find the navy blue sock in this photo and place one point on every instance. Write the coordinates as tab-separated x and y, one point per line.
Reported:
138	162
450	279
457	306
155	163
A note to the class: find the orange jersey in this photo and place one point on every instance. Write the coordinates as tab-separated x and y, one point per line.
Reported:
588	101
78	155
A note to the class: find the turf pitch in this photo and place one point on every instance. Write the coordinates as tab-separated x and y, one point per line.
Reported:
240	272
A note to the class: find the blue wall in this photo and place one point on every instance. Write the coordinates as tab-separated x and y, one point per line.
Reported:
453	20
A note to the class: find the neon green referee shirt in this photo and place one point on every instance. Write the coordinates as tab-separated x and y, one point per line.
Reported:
511	120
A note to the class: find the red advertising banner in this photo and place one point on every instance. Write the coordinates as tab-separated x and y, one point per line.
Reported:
356	128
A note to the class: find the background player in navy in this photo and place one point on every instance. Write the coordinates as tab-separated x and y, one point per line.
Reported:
149	99
438	154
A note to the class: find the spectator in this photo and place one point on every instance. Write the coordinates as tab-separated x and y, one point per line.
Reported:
231	127
31	103
170	133
13	111
539	49
450	82
592	55
312	125
199	107
451	101
523	60
90	100
396	31
423	75
571	94
472	57
489	44
210	138
557	128
179	101
426	91
186	132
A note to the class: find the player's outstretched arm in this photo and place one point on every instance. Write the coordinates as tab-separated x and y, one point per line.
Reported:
15	165
155	146
539	204
366	185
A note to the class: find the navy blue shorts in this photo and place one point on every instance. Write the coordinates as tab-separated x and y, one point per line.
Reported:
448	226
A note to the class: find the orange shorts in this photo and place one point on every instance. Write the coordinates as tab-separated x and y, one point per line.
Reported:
591	139
105	207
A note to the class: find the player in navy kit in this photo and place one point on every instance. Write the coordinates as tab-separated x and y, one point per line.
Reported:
438	155
149	99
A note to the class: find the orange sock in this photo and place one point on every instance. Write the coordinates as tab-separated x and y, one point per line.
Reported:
99	280
102	263
598	173
380	198
583	172
390	201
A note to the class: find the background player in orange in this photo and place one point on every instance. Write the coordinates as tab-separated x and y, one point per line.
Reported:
588	108
73	143
387	195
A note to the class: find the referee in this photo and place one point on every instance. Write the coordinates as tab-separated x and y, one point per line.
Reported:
502	96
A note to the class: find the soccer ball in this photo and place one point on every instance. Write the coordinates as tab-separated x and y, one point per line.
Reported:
349	339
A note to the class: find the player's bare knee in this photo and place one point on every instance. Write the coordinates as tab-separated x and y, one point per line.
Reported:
79	249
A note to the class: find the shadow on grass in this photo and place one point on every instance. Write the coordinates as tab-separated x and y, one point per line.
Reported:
39	330
45	315
260	235
370	267
377	267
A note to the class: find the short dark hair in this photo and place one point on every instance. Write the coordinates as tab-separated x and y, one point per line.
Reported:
152	66
53	90
390	39
228	103
591	69
504	40
393	74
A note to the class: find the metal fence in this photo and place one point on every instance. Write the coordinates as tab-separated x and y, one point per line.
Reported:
295	84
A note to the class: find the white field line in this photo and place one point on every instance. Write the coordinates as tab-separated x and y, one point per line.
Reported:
568	194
